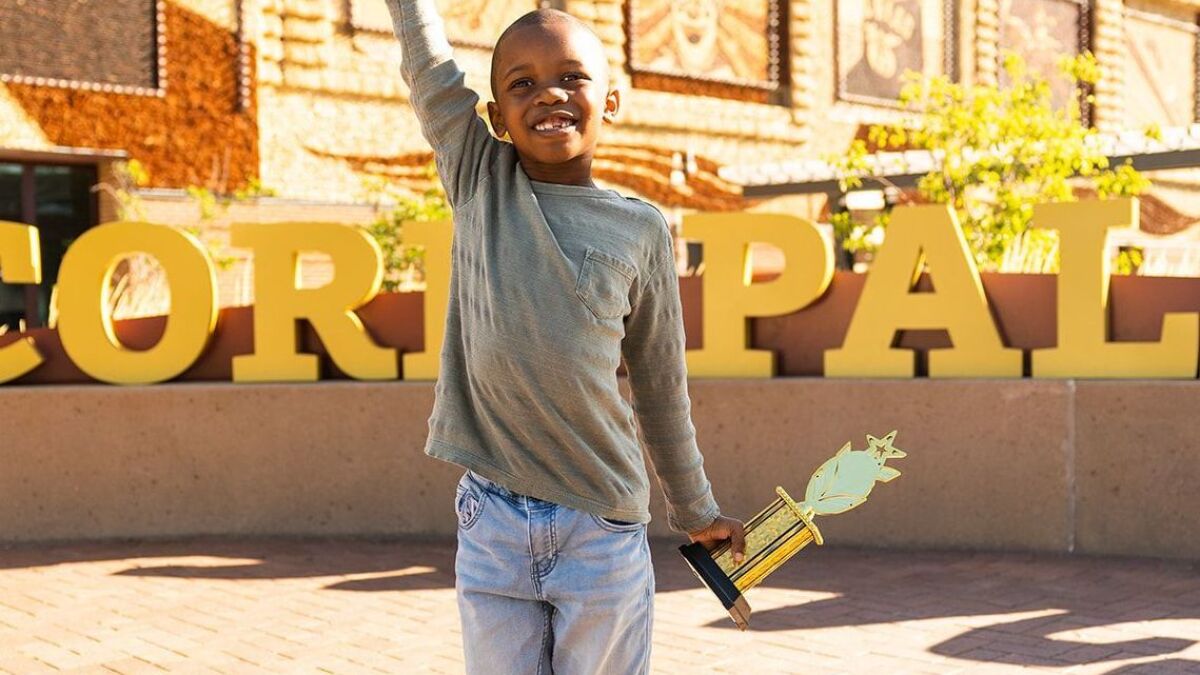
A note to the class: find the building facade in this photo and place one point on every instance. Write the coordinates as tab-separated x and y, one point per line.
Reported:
305	97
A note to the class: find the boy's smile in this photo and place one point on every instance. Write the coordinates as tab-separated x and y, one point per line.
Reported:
559	123
550	82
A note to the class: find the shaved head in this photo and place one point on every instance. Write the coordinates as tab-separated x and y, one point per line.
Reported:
550	82
547	18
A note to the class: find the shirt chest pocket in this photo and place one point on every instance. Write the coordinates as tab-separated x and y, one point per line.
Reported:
604	282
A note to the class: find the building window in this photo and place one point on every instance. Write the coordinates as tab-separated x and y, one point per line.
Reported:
1042	32
116	46
878	41
58	199
1160	66
708	48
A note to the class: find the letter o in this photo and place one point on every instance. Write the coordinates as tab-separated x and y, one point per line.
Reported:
85	323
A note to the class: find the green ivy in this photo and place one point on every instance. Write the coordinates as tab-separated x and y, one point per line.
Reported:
211	205
393	210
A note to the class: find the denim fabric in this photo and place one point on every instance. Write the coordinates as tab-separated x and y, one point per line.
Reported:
544	588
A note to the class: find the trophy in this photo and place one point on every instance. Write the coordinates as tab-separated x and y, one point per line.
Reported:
779	531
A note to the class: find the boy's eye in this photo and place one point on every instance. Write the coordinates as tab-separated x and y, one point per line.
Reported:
526	81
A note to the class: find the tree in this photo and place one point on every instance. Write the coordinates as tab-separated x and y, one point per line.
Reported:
999	151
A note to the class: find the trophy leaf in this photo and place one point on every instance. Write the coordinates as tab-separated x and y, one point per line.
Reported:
845	480
821	482
835	504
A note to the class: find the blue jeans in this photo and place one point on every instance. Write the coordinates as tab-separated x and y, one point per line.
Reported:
543	588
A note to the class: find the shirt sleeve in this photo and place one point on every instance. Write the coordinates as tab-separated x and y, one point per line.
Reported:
653	350
445	106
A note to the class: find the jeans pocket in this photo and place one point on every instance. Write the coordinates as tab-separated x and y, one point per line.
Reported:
603	285
468	504
616	525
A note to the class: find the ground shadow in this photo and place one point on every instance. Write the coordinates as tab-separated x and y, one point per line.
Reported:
430	567
883	587
1157	668
865	588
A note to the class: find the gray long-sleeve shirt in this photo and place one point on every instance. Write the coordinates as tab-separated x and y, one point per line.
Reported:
551	286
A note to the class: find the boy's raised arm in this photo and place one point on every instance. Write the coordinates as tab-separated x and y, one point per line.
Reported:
653	350
445	106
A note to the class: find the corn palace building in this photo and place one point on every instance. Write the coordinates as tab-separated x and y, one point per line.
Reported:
728	105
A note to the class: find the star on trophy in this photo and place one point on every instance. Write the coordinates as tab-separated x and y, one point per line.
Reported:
779	531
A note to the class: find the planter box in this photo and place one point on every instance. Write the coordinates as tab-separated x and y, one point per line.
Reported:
1023	306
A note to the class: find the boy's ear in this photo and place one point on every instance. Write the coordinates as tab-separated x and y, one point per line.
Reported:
612	105
497	121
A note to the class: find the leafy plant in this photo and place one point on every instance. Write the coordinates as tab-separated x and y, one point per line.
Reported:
403	264
999	151
127	177
212	207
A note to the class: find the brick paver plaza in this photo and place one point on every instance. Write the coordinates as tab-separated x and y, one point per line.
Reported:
357	606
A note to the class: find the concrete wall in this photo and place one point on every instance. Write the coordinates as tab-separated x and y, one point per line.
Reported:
1093	467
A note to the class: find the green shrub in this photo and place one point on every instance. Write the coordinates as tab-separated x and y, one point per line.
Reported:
1001	151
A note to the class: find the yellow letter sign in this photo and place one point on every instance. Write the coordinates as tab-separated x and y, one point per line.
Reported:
436	238
730	298
85	304
888	304
1083	349
279	303
20	263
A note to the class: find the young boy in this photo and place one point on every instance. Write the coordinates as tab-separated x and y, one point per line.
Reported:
554	281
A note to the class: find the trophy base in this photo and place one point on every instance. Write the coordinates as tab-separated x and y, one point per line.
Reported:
706	569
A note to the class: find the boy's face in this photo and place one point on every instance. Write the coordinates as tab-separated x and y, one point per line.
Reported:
551	88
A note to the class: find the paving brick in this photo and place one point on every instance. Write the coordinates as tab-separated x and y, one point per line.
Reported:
132	666
315	606
19	664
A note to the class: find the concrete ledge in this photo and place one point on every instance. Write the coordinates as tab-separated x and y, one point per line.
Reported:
984	466
1100	467
339	458
1137	469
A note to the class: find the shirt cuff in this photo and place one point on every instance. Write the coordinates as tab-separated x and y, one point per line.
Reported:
696	516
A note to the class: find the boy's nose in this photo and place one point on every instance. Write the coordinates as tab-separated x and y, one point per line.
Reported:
552	95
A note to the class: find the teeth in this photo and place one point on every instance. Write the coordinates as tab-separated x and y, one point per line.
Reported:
556	123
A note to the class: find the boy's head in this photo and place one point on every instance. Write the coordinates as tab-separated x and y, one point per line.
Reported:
550	82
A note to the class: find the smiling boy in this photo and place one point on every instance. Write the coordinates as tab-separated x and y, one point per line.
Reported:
554	282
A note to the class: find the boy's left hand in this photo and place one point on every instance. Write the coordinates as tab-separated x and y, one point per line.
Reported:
718	531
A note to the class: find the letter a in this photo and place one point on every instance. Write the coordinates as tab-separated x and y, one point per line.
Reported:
888	305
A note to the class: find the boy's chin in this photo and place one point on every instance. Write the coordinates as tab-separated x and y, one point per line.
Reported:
555	156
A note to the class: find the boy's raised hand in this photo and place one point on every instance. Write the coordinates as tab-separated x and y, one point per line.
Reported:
718	531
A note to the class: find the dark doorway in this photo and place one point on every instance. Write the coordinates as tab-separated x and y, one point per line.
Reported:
59	201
